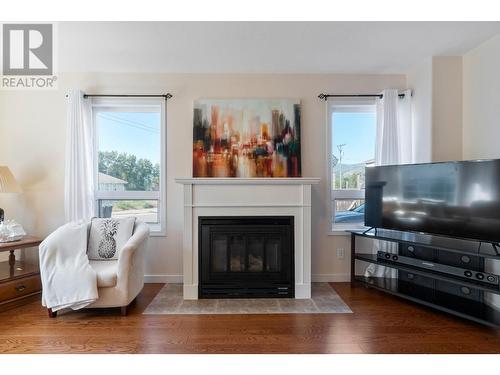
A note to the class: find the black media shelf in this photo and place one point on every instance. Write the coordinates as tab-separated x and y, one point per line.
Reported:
466	298
475	311
455	245
371	258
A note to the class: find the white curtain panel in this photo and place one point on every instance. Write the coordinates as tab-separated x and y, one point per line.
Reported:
387	133
393	146
405	130
79	175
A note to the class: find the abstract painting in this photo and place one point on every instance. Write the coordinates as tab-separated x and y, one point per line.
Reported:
246	138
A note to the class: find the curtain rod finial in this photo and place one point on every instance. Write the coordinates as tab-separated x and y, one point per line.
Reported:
322	96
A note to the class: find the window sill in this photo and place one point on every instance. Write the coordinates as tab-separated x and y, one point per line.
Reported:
157	230
339	232
342	231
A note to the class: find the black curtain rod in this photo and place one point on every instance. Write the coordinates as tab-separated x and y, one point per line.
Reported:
380	96
166	96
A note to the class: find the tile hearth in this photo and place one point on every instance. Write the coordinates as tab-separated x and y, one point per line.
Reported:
324	300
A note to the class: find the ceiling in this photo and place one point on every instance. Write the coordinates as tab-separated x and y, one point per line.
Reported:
262	47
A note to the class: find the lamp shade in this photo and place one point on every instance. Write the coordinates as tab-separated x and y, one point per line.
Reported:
8	183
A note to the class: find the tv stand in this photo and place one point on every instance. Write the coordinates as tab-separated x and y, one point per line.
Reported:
496	246
469	298
370	229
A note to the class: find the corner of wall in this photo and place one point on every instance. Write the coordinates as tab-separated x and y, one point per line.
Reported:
419	79
481	94
446	108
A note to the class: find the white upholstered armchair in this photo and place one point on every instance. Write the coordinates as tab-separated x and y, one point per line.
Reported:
120	281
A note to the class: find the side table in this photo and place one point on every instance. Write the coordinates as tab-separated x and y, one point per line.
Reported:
19	279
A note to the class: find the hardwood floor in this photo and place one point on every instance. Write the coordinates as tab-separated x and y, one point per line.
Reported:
380	324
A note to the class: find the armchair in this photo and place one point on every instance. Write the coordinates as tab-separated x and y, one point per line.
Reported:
120	281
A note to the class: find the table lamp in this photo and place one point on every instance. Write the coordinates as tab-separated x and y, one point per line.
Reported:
8	184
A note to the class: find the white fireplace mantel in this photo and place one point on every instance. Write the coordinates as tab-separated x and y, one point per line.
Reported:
248	181
248	197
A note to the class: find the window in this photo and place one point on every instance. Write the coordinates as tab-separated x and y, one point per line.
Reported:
352	128
130	159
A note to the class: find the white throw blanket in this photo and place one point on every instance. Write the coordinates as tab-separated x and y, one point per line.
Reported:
68	280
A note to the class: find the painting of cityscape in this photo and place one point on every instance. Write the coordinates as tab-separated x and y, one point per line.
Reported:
246	138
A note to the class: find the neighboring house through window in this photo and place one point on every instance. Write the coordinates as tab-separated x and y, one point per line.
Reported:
110	183
351	138
130	159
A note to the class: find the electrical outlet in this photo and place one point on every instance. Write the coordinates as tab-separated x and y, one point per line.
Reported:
340	253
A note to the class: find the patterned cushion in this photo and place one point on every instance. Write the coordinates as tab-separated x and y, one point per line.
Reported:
108	236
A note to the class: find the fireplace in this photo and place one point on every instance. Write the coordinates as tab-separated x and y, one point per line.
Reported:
253	198
250	256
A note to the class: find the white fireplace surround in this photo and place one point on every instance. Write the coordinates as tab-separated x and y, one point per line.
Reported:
248	197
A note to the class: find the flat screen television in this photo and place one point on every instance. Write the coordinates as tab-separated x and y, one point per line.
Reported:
458	199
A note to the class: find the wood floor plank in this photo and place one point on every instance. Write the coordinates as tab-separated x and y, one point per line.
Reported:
380	323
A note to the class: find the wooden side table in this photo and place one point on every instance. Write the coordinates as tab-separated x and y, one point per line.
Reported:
19	279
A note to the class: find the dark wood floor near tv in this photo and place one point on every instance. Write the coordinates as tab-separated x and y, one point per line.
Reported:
380	324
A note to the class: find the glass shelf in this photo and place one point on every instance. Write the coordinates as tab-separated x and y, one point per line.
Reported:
483	249
371	258
430	290
476	311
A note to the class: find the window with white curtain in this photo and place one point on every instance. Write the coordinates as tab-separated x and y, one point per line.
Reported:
351	147
130	159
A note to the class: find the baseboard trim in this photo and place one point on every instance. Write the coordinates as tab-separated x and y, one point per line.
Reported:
151	279
331	278
319	278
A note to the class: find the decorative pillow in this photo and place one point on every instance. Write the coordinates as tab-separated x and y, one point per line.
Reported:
108	236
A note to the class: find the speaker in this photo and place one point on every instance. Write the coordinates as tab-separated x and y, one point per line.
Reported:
487	278
428	288
459	291
416	285
415	279
467	261
412	251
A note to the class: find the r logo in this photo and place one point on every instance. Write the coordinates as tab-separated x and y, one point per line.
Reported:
27	49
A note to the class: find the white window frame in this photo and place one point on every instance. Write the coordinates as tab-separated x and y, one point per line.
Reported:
351	105
134	105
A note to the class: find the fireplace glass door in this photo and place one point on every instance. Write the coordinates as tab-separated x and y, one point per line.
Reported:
249	256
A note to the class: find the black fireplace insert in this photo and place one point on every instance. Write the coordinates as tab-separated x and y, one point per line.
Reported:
250	256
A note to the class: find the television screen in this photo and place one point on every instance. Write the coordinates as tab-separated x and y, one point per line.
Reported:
459	199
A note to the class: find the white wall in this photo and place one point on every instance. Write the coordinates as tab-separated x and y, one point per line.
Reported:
32	142
481	101
419	79
481	109
437	108
446	108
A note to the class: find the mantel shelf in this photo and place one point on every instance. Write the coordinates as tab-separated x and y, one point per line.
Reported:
248	181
